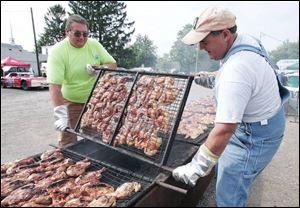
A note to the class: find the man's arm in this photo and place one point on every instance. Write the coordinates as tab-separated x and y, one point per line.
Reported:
91	69
219	137
207	156
56	95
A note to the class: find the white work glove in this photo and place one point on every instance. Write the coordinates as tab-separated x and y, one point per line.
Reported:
200	166
90	70
205	79
61	117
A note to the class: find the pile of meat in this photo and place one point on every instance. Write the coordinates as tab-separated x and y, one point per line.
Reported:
198	116
58	181
105	105
147	113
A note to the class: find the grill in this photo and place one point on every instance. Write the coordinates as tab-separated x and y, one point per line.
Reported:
198	140
114	176
125	162
140	96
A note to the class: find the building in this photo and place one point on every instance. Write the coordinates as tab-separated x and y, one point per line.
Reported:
17	52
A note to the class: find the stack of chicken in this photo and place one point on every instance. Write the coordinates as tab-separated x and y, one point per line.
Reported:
198	117
147	113
57	181
105	105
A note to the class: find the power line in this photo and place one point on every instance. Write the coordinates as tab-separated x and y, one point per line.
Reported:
264	34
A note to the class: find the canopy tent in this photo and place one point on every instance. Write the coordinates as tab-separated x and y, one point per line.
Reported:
9	61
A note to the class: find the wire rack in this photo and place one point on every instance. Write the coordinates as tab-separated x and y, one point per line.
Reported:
143	107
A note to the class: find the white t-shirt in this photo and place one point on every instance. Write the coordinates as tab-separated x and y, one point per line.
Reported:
246	87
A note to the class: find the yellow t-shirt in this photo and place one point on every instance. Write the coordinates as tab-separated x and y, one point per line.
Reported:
66	67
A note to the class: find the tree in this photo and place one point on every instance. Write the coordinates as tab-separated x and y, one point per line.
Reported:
55	21
165	63
108	23
288	50
190	59
144	51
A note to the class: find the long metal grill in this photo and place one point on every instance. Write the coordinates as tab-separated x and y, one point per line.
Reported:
106	155
136	113
113	176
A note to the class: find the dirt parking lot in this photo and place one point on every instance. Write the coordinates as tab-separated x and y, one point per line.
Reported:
27	129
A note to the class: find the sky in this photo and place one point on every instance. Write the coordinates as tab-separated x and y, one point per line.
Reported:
271	21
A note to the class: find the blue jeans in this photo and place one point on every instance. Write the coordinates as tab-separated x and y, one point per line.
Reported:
248	152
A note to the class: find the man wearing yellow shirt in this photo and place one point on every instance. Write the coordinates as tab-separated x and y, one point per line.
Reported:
69	76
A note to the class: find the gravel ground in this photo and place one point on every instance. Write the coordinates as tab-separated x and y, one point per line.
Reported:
27	129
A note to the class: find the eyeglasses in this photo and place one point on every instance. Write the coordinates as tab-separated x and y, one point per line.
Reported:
78	34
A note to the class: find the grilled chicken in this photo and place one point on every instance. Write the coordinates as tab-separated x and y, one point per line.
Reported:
103	201
127	189
78	168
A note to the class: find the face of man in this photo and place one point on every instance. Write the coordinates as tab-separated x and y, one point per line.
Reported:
216	45
78	34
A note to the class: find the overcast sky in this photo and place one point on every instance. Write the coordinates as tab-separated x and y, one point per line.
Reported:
273	22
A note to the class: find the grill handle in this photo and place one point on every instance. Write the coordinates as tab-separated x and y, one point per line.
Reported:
166	168
174	188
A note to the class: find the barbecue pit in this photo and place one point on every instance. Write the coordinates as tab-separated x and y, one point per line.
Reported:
129	162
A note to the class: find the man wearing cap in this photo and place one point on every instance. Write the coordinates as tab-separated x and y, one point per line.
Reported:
250	119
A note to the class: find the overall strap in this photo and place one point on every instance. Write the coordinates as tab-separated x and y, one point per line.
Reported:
284	93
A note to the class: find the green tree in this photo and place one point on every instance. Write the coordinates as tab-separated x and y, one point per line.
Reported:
190	59
108	24
288	50
54	31
144	51
164	63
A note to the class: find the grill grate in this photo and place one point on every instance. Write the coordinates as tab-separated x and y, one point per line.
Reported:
145	109
198	140
112	175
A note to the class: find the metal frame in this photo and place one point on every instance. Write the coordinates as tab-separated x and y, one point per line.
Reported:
173	130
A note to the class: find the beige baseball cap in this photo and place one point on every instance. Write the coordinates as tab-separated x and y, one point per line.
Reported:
212	19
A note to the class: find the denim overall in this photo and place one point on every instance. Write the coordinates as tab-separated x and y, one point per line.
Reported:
250	149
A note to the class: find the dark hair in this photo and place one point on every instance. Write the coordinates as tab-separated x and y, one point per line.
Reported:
75	18
232	30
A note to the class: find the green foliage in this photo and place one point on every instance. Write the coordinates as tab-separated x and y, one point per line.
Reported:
288	50
108	24
164	64
190	59
144	52
55	21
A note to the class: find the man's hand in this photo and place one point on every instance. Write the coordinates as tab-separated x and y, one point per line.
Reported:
90	70
205	79
61	117
200	166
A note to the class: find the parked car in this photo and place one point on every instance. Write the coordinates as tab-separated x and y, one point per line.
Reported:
23	80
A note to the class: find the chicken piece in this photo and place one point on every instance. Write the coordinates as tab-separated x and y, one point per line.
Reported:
93	191
78	168
76	202
127	189
103	201
21	194
92	177
153	144
14	166
56	153
7	188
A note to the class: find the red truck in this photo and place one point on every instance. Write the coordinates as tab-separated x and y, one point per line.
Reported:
23	80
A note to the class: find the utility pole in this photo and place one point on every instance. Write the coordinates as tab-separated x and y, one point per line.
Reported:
196	69
36	51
